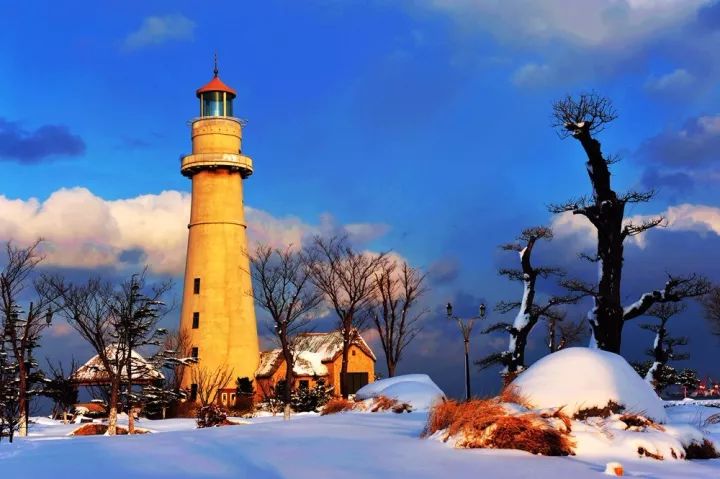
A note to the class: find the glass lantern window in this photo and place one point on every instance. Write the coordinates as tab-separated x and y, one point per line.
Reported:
215	103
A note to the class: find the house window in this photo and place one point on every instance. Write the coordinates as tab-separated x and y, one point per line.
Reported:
193	392
194	352
224	398
196	320
196	286
304	384
232	397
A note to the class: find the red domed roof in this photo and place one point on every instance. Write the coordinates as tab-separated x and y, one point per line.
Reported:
215	85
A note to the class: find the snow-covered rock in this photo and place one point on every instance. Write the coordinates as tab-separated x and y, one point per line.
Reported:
418	390
580	378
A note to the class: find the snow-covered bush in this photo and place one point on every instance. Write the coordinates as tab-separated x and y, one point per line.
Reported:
210	416
583	378
417	390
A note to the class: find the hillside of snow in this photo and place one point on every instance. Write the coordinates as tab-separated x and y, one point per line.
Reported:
417	390
351	445
583	378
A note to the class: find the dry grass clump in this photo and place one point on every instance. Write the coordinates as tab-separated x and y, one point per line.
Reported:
96	429
638	422
606	411
384	403
336	405
485	423
511	394
706	450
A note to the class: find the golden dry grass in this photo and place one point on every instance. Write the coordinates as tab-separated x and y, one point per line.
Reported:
511	393
485	423
336	405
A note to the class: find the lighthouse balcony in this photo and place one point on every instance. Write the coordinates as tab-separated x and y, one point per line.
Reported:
190	164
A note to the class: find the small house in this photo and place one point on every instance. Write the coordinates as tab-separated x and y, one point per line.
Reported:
318	356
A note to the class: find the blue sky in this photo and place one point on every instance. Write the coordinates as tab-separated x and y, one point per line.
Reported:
417	126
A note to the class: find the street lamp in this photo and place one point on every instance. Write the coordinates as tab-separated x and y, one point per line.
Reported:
466	326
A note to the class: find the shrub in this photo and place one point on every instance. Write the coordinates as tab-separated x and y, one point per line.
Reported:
210	416
311	399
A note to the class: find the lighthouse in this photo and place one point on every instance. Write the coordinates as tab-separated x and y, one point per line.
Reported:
217	313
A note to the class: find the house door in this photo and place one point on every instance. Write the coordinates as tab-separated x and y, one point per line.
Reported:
354	381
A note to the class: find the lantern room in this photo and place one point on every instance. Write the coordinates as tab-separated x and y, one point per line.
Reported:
216	98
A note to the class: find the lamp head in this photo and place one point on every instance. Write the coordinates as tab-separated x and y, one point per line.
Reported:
482	310
449	310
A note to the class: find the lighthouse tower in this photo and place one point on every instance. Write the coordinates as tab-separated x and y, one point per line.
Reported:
217	313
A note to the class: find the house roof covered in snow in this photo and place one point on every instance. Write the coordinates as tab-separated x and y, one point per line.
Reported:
311	351
93	371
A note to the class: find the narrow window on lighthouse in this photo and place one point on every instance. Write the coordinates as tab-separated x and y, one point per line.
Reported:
196	320
193	392
194	352
196	286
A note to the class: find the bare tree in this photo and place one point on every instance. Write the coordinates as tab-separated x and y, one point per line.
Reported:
61	389
136	309
562	333
283	287
664	346
399	286
529	311
583	118
177	356
22	329
88	309
114	320
346	278
209	382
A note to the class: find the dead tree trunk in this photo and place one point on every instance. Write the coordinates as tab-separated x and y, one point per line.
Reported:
582	118
529	313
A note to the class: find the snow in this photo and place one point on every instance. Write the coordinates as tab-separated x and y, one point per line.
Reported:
350	445
308	363
418	390
579	378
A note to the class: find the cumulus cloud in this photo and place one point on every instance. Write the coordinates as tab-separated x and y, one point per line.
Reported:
82	230
156	30
575	41
700	219
673	82
696	143
46	142
588	23
533	75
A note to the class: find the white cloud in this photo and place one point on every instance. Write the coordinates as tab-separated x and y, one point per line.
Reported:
701	219
533	75
674	81
585	23
160	29
83	230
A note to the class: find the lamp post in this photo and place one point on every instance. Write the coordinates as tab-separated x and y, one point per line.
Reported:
466	326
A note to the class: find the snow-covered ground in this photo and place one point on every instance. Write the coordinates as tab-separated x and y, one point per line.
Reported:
348	445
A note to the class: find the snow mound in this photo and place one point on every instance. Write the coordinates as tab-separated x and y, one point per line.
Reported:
418	390
581	378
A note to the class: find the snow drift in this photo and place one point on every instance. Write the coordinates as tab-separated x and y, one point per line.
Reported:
417	390
583	378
